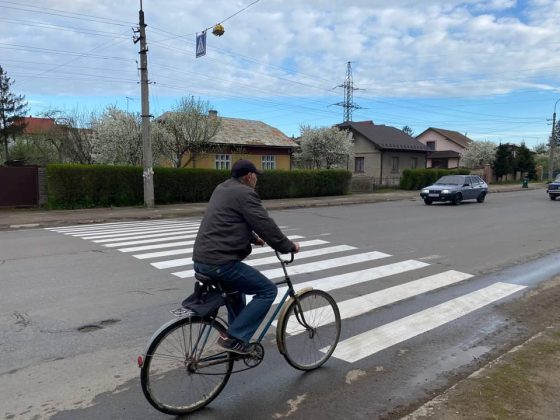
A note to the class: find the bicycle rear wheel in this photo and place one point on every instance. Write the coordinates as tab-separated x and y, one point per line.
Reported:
309	330
184	369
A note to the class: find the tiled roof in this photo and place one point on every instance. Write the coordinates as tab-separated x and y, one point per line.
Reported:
454	136
35	125
235	131
385	137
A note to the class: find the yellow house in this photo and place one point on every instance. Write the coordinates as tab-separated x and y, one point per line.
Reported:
265	146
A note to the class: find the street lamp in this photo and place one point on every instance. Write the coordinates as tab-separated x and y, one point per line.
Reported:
552	144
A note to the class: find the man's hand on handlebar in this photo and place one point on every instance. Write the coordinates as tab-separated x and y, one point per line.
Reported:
296	248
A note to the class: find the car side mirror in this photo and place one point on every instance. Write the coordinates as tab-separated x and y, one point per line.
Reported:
465	185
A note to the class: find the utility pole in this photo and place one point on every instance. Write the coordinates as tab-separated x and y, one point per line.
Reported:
349	89
552	147
148	171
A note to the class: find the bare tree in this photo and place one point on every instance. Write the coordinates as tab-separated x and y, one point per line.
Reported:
324	148
187	131
72	136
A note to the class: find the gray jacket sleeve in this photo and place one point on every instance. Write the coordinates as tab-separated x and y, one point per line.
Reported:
262	224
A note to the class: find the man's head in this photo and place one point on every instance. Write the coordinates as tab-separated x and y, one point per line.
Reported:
246	172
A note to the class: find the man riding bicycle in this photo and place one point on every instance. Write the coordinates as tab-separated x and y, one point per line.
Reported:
234	219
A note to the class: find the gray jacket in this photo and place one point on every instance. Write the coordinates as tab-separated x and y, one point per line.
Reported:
234	212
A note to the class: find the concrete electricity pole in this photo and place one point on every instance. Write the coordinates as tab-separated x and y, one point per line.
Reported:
552	147
148	172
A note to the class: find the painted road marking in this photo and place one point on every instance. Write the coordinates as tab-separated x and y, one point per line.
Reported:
370	342
362	304
261	261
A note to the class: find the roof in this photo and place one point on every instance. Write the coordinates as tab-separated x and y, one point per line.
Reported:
385	137
35	125
443	154
235	131
251	133
454	136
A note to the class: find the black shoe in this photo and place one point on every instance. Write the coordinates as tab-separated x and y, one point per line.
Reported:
233	345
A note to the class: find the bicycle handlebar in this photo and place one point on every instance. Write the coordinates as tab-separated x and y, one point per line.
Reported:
285	261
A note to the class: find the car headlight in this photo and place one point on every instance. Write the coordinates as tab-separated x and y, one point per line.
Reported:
425	191
445	192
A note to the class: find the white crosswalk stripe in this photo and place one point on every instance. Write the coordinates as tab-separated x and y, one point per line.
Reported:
262	261
373	341
256	251
149	240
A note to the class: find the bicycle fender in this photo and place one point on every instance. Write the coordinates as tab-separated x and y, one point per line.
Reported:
282	315
160	329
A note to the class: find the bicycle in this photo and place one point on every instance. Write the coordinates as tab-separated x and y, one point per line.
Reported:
183	369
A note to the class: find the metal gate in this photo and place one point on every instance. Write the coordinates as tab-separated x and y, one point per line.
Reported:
19	186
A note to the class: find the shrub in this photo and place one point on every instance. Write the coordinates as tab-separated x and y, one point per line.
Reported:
82	186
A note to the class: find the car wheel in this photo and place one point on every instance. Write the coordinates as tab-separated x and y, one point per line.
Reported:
427	201
457	199
481	197
552	197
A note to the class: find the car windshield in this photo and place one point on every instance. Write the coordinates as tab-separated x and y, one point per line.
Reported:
451	180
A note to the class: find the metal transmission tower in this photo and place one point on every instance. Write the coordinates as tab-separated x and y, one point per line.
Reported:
349	89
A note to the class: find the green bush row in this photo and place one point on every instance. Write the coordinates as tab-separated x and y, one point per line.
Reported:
414	179
83	186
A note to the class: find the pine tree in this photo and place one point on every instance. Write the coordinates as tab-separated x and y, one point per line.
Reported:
503	164
12	109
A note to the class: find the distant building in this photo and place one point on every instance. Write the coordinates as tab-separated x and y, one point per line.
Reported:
381	152
266	146
445	147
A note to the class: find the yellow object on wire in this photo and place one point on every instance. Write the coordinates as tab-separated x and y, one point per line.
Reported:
218	30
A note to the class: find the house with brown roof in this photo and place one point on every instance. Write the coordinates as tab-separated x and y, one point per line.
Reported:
445	147
265	146
382	152
35	125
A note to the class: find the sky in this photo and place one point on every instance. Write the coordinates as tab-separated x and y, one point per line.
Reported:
489	69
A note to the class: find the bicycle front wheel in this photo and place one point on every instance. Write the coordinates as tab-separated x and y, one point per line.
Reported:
309	330
184	369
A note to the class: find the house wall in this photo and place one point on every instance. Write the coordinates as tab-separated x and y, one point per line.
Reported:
392	176
378	165
372	158
208	161
442	143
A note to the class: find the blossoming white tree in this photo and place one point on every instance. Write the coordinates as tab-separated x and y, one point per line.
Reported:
324	148
118	137
479	153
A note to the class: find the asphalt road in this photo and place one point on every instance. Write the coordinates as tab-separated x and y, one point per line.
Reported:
75	314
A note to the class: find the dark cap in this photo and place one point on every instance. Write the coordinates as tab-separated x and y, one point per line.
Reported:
243	167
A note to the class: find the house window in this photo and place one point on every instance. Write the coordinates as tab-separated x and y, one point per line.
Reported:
268	162
431	145
414	162
359	164
223	161
395	164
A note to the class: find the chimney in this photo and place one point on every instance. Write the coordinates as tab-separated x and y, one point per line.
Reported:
213	113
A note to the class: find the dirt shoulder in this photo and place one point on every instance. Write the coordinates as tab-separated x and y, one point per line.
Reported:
523	383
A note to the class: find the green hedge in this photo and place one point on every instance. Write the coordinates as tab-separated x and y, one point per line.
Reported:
83	186
414	179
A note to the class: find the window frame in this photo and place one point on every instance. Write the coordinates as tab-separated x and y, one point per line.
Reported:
267	164
360	166
222	161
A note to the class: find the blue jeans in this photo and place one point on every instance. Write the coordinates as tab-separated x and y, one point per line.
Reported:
236	276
